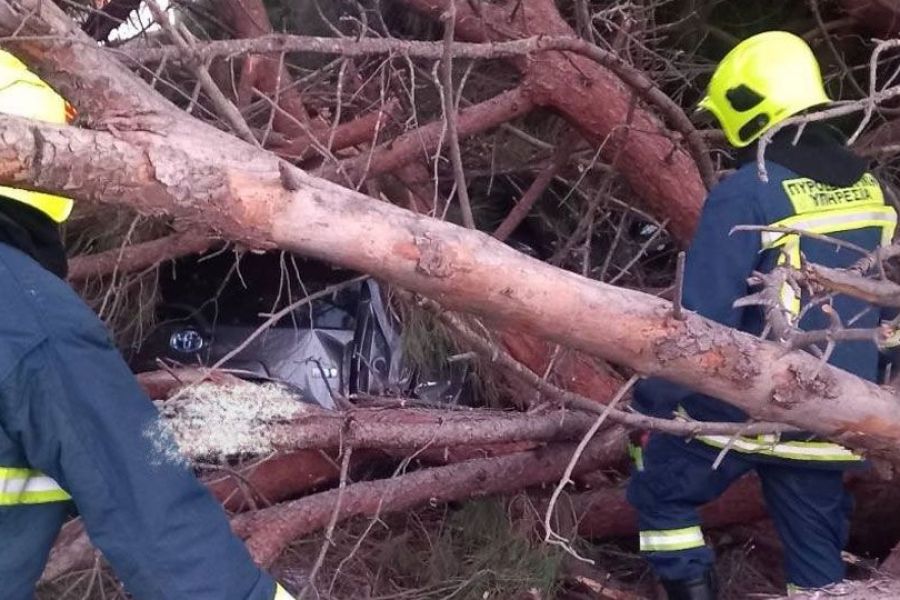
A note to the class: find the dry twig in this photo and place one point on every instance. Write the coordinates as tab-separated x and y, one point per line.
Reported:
550	536
183	41
631	75
450	109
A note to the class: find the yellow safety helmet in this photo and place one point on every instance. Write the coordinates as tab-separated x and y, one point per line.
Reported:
24	94
764	80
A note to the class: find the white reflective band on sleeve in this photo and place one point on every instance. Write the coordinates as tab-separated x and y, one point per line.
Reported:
27	486
668	540
281	594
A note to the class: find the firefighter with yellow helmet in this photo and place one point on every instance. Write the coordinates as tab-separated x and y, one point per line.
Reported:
76	429
815	184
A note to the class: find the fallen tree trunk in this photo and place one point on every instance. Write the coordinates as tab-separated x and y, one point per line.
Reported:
138	256
408	428
574	371
203	175
268	532
605	513
275	527
159	385
289	476
306	427
261	203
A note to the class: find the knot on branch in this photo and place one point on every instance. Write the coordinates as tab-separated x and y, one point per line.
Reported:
726	353
799	385
435	259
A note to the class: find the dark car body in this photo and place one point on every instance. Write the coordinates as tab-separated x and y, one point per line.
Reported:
341	344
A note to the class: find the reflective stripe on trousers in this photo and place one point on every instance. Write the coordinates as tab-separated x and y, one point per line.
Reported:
671	540
28	486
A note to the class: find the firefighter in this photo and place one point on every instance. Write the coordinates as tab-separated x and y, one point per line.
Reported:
74	422
815	184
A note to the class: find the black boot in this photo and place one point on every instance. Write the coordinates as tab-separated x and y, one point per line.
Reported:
701	588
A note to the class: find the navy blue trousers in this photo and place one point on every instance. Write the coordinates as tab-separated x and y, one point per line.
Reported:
71	410
809	506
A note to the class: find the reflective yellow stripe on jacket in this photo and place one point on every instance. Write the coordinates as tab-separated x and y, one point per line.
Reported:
281	594
772	445
22	93
27	486
769	445
825	209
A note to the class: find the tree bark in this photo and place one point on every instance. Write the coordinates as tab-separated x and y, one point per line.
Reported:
574	371
274	480
249	20
423	141
268	532
294	474
137	256
159	385
271	529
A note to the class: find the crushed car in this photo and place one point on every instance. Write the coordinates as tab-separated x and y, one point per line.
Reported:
345	343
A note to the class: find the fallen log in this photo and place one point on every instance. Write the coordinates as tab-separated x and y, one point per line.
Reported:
409	428
274	480
876	588
891	565
72	551
160	384
277	526
291	475
215	421
574	371
137	256
268	532
605	513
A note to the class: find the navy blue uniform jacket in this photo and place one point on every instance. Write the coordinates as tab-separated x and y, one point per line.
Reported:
719	263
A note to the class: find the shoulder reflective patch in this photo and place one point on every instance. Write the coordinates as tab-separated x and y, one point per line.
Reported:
811	196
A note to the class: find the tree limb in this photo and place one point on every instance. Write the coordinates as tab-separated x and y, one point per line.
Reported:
138	256
436	50
269	531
